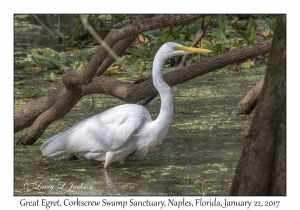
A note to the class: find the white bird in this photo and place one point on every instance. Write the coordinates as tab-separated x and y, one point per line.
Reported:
120	131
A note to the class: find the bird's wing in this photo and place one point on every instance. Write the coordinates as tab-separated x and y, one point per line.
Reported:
104	132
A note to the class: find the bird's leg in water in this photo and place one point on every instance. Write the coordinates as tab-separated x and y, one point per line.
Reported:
122	160
108	158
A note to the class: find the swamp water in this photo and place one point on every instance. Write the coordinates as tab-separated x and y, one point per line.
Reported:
203	144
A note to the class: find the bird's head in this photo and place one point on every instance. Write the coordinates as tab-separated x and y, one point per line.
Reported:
172	49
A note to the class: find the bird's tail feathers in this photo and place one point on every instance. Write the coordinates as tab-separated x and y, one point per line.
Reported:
54	145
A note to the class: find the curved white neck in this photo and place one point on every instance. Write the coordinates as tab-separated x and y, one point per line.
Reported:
166	107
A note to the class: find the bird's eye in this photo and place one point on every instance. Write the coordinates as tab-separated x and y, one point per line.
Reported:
176	48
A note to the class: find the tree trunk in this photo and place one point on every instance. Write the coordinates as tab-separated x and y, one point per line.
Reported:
261	169
249	102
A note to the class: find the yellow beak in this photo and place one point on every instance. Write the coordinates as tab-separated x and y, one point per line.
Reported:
192	49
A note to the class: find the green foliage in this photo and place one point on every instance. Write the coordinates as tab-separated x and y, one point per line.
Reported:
227	35
220	32
224	33
183	34
246	65
51	59
179	34
57	61
208	45
121	20
271	23
235	42
252	23
50	76
128	60
194	29
154	33
252	38
247	30
141	50
218	39
215	40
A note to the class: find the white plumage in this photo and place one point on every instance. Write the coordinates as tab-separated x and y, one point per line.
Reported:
118	132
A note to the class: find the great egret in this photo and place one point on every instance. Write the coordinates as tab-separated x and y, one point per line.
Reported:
120	131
